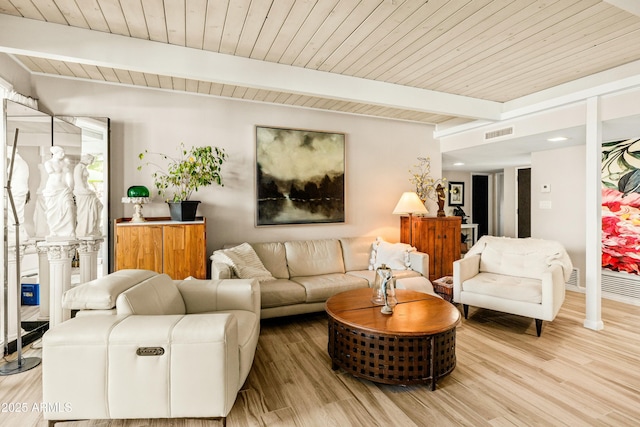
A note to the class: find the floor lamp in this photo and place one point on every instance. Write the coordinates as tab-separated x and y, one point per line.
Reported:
410	204
21	364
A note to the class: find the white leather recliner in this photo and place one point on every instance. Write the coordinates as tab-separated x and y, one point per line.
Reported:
519	276
145	346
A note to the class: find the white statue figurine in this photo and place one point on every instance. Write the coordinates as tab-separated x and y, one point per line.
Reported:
41	229
87	202
61	211
20	193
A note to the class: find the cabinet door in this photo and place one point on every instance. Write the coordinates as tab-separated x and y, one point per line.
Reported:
450	246
425	239
139	247
185	248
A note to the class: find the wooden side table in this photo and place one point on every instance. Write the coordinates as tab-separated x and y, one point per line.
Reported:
444	287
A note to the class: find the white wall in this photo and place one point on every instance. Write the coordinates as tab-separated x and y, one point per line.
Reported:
564	171
458	176
19	78
379	154
510	203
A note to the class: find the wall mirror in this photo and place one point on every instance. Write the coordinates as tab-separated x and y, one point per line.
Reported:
33	141
86	140
81	139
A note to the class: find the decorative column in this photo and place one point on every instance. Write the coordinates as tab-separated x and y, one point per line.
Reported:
60	255
593	216
88	249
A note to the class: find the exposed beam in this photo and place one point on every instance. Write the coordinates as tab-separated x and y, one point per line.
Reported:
617	79
624	77
59	42
631	6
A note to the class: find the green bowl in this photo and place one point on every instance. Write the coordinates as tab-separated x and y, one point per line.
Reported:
138	191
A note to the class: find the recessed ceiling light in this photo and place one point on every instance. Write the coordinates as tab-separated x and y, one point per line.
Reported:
458	164
557	139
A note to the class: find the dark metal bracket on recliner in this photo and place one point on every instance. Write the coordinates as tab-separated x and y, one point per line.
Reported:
150	351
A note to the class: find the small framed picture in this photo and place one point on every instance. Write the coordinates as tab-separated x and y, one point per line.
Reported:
456	193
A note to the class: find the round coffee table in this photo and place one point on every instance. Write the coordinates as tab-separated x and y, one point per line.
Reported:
414	345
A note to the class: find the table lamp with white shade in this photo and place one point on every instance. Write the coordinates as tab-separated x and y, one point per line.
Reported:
410	204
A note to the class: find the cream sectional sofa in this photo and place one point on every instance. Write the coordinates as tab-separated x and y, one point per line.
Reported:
145	346
301	275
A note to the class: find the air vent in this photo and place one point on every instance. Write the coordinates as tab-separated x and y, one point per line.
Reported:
574	280
498	133
621	284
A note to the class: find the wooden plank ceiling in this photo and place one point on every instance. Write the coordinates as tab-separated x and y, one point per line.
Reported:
494	50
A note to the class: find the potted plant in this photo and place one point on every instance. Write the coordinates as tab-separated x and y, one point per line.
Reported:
194	168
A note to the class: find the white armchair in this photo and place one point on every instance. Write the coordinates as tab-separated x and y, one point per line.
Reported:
525	277
145	346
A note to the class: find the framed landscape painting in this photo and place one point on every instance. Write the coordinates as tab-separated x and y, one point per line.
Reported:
299	176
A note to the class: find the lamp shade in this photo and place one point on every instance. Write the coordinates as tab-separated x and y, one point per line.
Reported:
410	203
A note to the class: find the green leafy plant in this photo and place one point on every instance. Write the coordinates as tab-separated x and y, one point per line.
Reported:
194	168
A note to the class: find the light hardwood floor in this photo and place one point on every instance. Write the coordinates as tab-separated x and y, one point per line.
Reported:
505	376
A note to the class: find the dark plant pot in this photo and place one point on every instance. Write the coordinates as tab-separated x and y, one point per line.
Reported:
183	211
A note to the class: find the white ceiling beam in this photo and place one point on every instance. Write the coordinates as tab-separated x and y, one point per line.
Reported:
631	6
617	79
624	77
35	38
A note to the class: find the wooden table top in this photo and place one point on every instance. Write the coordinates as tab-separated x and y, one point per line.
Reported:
417	313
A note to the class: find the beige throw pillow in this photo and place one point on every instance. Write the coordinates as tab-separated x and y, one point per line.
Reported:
393	255
244	261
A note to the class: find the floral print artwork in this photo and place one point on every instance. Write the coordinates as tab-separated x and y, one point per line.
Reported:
621	206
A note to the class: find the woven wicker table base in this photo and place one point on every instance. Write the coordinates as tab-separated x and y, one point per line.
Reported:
390	354
392	360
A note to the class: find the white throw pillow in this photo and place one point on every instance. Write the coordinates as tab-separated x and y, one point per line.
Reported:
393	255
244	261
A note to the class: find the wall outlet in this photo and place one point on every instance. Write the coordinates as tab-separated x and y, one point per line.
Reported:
545	204
545	188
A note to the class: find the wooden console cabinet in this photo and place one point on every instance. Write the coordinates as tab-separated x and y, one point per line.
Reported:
437	236
178	249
